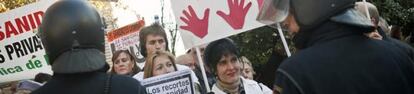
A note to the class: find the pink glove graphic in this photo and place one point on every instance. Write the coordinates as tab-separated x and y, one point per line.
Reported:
198	27
237	13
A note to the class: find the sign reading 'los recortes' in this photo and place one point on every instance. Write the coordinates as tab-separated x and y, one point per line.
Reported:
178	82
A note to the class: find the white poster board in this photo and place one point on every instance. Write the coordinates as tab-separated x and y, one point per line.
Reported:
22	54
178	82
209	20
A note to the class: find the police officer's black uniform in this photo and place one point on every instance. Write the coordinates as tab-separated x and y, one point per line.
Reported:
73	35
335	56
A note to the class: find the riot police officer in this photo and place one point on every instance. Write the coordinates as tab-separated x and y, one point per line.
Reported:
335	57
73	35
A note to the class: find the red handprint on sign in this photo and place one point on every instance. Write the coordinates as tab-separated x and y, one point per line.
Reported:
237	13
260	2
198	27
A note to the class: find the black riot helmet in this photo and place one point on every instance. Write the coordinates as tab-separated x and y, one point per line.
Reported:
310	13
73	35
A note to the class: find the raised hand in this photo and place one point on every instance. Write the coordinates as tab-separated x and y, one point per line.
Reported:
198	27
237	13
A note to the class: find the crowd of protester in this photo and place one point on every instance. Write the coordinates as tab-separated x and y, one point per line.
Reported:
340	52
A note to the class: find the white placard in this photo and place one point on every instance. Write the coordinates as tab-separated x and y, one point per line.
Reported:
22	54
178	82
209	20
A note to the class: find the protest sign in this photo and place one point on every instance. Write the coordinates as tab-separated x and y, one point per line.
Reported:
22	54
203	21
178	82
127	38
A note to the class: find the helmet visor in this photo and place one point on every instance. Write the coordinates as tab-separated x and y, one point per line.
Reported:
273	11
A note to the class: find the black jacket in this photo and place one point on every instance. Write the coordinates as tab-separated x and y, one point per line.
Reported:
91	83
339	59
403	46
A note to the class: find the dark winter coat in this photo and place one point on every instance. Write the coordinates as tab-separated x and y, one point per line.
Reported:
339	59
91	83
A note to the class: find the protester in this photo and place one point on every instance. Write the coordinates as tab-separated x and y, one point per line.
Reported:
211	79
73	36
153	38
141	75
162	62
124	63
335	56
159	63
210	76
221	56
247	68
186	60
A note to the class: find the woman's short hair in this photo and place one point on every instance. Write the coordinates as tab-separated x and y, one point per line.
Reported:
216	49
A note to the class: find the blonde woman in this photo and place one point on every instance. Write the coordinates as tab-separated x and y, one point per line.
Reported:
162	62
159	63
